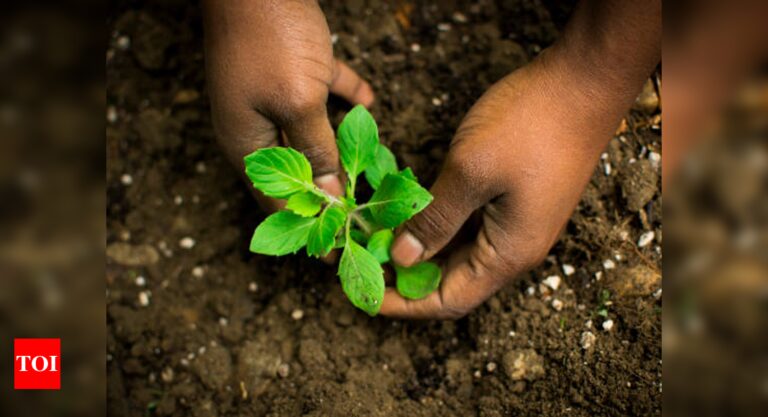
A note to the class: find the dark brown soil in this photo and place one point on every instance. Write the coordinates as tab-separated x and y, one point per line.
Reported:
221	333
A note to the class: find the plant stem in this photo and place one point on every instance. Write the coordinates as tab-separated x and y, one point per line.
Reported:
364	225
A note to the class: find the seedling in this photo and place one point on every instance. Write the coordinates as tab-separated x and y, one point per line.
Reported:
321	222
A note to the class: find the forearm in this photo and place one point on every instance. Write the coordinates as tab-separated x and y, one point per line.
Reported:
606	52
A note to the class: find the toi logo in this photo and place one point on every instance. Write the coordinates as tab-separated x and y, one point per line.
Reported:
37	364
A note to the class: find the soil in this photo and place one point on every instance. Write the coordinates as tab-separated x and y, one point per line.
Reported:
199	326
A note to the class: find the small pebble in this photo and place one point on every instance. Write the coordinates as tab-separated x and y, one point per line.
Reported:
187	243
123	42
283	370
223	321
477	374
178	200
604	156
587	340
645	239
334	38
512	333
167	374
598	275
111	114
444	27
184	362
657	294
588	324
200	167
552	281
297	314
530	291
609	264
126	179
201	350
608	169
198	272
459	17
491	366
608	325
436	101
415	47
253	287
143	298
141	281
568	270
655	159
557	304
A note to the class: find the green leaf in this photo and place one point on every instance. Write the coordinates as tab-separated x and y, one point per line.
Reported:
397	200
305	204
358	137
279	172
418	281
323	233
408	173
281	233
379	244
384	164
362	278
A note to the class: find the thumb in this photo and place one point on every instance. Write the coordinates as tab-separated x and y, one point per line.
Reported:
312	135
456	197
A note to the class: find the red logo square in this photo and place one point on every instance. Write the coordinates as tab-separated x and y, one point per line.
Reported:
37	364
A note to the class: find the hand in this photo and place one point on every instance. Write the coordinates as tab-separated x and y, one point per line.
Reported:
270	68
522	155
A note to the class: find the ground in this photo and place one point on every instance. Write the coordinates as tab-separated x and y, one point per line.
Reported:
199	326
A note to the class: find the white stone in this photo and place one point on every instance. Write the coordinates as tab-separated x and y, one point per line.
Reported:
223	321
557	304
178	200
646	239
587	340
436	101
598	275
655	159
253	287
126	179
111	114
588	324
608	264
657	294
297	314
490	367
444	27
123	42
415	47
552	281
144	298
530	291
198	272
568	270
608	169
608	325
187	243
459	17
141	281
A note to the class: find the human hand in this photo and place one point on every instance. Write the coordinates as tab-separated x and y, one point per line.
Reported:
522	155
270	67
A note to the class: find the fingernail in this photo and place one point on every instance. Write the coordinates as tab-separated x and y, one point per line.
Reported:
406	249
330	183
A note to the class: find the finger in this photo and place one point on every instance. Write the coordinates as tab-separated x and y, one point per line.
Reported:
473	276
455	198
311	134
350	86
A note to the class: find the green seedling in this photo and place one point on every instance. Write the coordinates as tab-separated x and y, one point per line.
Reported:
603	303
320	222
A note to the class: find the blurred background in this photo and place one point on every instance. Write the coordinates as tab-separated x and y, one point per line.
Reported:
715	315
715	98
52	199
